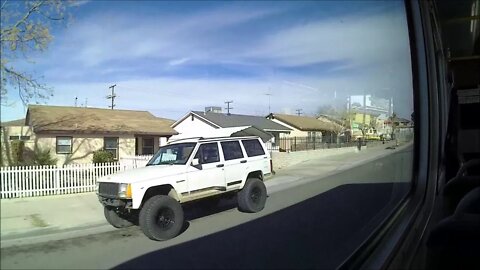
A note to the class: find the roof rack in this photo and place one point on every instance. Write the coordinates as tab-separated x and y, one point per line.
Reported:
184	139
212	138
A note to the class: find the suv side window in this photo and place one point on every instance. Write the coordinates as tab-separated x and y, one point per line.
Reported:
253	148
232	150
208	153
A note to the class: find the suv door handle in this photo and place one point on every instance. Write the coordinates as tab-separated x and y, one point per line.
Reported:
220	165
243	161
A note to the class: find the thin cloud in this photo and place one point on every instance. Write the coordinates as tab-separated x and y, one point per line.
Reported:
180	61
360	41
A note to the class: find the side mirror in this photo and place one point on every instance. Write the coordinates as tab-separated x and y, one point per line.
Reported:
196	163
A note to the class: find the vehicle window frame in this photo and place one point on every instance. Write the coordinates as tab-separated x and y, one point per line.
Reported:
239	145
394	232
246	151
200	154
187	160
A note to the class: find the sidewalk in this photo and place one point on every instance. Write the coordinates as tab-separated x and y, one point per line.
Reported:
42	219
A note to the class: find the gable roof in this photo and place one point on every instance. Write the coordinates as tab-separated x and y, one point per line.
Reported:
330	118
14	123
306	123
61	119
222	120
226	132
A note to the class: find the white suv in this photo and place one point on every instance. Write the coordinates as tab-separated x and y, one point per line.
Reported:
182	171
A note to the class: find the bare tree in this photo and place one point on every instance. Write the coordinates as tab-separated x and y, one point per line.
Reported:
25	29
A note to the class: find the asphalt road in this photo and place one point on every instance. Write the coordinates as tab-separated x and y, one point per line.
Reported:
316	222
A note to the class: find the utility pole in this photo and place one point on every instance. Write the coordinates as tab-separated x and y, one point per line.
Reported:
112	96
228	106
364	113
269	95
86	100
299	112
76	100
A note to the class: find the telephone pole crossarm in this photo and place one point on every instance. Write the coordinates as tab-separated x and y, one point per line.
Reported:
112	96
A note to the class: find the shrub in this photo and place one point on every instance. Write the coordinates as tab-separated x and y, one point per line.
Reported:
43	157
102	156
17	148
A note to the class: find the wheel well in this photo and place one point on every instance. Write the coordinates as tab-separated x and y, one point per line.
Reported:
160	190
256	174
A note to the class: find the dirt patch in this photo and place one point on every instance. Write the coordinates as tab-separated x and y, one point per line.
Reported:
37	221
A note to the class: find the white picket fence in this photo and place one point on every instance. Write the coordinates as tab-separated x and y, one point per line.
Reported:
30	181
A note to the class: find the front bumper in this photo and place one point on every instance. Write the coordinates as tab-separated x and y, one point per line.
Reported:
114	202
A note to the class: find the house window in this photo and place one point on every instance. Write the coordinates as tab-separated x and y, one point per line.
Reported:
16	138
64	145
110	144
147	146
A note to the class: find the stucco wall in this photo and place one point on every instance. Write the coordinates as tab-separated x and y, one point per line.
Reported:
6	132
294	133
83	146
188	126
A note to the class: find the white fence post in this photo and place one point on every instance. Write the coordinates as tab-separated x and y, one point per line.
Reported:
29	181
57	180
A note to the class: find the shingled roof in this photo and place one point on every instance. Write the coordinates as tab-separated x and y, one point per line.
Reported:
306	123
60	119
18	122
221	120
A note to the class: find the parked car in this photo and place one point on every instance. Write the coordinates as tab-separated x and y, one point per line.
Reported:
182	171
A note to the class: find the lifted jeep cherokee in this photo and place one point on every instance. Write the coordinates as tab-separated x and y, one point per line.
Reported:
185	170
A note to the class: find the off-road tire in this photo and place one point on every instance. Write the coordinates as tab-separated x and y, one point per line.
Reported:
252	197
115	219
161	218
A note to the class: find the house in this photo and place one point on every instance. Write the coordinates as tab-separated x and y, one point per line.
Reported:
74	133
342	130
310	127
197	123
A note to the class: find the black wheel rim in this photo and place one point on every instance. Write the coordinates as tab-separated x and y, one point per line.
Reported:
255	195
165	219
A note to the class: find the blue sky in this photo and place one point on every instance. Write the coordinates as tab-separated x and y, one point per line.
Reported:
173	57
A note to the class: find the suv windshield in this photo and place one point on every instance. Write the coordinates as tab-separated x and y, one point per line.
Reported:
172	154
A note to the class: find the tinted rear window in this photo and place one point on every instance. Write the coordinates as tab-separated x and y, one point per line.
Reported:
253	148
232	150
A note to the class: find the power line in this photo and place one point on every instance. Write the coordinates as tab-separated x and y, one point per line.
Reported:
112	96
228	106
299	112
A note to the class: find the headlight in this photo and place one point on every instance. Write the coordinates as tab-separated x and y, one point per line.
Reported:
125	191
